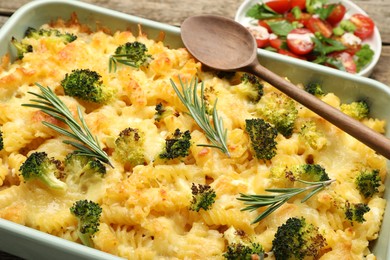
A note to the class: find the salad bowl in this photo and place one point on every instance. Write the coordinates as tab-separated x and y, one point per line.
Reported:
374	41
32	244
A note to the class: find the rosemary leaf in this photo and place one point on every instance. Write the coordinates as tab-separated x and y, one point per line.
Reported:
49	103
255	201
215	132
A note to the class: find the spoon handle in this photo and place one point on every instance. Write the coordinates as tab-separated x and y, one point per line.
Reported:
353	127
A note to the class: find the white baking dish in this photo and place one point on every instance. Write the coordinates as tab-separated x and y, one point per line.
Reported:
32	244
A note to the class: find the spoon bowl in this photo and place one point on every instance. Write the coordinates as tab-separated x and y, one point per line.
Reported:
226	45
196	31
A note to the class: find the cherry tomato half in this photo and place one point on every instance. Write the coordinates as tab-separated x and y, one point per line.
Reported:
299	41
299	3
364	25
261	35
265	25
351	42
275	41
317	25
289	53
303	18
279	6
346	60
337	14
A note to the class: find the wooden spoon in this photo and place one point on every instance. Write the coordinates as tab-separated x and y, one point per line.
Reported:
226	45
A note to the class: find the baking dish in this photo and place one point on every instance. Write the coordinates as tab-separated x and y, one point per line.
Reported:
32	244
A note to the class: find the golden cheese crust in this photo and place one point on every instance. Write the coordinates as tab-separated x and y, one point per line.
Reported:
146	208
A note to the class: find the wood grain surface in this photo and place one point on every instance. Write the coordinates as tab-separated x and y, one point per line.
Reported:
174	12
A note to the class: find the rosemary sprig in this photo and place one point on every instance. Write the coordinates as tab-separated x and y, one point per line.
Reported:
196	106
122	59
86	144
255	202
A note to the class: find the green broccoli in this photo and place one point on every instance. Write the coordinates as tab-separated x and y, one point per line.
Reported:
309	172
37	34
297	239
286	176
132	54
1	140
357	109
279	110
312	136
239	251
86	85
79	164
367	182
241	246
250	88
314	88
163	111
177	146
39	166
203	197
355	212
262	136
88	215
228	75
23	46
129	147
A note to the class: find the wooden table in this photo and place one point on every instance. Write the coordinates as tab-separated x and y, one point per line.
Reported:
174	12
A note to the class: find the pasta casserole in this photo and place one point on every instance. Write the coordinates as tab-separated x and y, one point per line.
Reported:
184	153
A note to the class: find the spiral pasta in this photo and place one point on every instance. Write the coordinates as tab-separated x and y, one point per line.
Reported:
146	208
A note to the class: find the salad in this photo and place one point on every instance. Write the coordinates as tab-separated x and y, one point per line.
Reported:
313	30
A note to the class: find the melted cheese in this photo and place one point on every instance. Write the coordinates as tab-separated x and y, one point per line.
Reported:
146	209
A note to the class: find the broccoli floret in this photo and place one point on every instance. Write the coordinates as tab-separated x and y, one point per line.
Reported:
203	197
314	88
1	140
39	166
357	109
88	215
312	136
163	111
355	212
177	146
132	54
81	164
225	74
87	85
129	147
309	172
21	47
367	182
279	110
241	246
286	176
37	34
250	87
239	251
262	136
297	239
